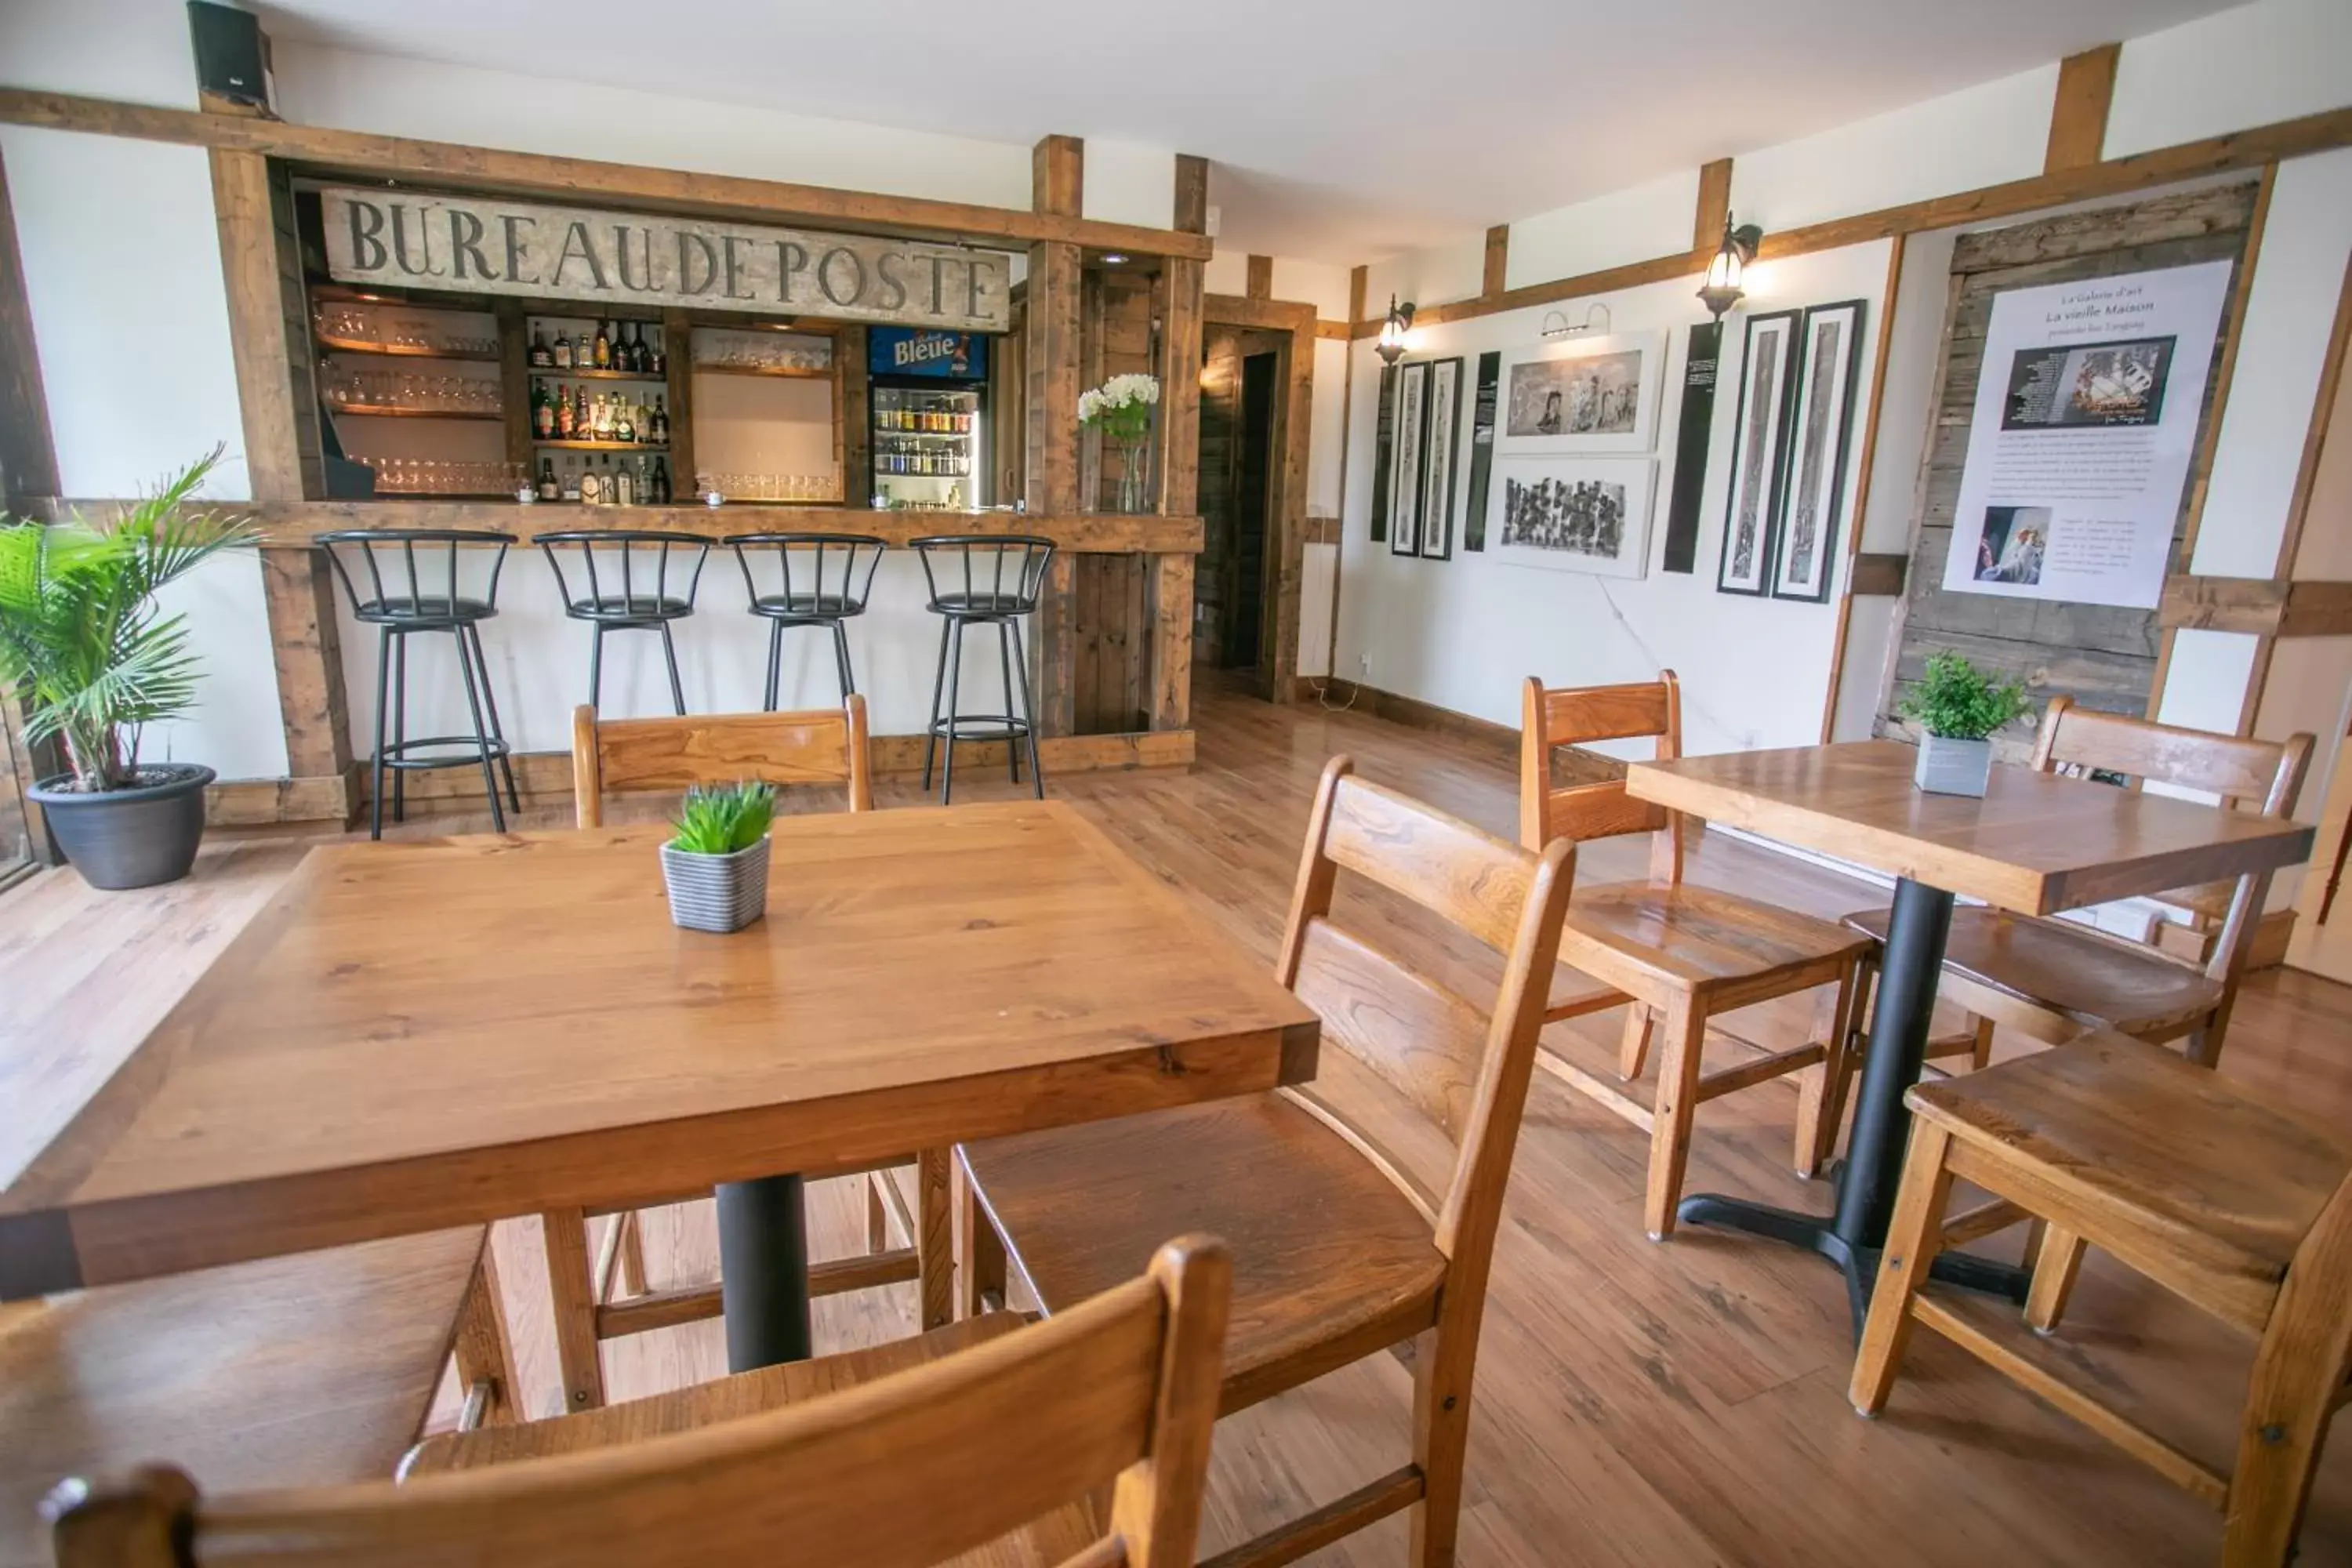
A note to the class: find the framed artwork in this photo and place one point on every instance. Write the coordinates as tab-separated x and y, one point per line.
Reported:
1437	467
1584	396
1827	366
1759	436
1573	514
1405	460
1383	453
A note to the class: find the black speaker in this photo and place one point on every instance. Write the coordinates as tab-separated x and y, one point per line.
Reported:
232	57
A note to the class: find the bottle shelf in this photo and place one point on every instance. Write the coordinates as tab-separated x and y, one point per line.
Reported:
562	446
784	371
559	373
394	411
404	351
890	434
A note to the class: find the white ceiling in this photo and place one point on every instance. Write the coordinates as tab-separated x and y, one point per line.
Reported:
1339	129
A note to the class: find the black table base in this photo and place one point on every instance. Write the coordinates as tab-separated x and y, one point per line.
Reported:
1853	1237
764	1272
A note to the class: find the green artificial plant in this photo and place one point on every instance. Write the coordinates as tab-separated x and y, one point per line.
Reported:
723	819
1955	700
82	644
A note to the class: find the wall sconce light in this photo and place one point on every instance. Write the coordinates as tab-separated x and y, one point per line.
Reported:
1721	290
1390	348
1552	333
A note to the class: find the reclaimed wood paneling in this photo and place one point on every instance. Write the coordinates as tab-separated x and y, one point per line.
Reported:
1050	358
2078	119
1214	587
1171	642
853	441
678	348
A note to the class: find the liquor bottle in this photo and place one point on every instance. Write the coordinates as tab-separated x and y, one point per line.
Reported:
550	487
579	412
624	486
542	411
561	356
591	488
656	359
602	348
542	356
661	421
605	479
661	481
566	424
625	423
571	479
633	351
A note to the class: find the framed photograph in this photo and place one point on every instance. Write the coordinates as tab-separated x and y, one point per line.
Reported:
1405	462
1586	395
1573	514
1759	437
1827	365
1437	467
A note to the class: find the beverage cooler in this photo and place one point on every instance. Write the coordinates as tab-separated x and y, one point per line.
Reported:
930	410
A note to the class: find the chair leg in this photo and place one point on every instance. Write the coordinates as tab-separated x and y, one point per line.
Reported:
1004	663
1841	1082
877	1214
775	663
1028	711
399	725
596	666
935	1237
955	678
677	688
1634	1050
2056	1261
841	658
1980	1051
490	701
633	1253
939	684
571	1288
482	736
1441	1440
484	1354
2203	1046
1817	1131
1914	1235
383	692
1672	1115
981	1270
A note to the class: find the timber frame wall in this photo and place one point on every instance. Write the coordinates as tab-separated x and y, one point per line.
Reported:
252	162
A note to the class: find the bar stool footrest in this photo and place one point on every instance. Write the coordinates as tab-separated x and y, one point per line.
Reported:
982	727
397	755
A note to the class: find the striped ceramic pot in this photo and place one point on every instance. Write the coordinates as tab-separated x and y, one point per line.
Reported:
717	892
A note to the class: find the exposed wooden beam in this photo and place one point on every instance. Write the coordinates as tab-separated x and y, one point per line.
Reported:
578	181
1191	214
2315	438
1258	282
1249	310
1359	277
1498	261
1057	176
1713	207
1879	575
2259	607
1855	583
2078	117
1334	332
28	455
2239	151
1050	360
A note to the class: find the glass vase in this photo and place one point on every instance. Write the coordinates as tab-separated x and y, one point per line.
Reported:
1134	481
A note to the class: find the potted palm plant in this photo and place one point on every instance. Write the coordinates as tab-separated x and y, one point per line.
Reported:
92	661
715	867
1958	707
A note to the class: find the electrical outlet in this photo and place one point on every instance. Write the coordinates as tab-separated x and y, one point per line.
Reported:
1363	664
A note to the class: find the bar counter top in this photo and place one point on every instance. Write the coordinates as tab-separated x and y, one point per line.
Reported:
291	525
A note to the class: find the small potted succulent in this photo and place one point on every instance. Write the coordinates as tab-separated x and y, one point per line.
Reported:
1958	707
93	661
717	865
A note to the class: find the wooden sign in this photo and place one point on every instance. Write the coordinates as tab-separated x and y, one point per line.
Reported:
614	260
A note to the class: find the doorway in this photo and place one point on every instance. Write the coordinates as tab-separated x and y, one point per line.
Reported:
15	827
1244	375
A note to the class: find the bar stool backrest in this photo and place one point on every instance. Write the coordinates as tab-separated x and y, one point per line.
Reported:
625	573
620	755
987	573
1117	1393
418	576
830	573
1593	803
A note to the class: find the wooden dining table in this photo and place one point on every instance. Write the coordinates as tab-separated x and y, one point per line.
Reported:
2035	843
411	1036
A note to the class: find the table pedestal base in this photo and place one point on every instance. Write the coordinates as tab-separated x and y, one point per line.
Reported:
1859	1264
763	1271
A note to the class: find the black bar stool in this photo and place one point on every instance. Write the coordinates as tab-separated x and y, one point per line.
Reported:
821	580
987	579
630	584
413	583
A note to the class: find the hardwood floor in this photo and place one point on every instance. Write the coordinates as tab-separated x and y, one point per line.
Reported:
1639	1403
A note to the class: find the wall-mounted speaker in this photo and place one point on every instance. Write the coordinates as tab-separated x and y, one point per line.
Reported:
232	55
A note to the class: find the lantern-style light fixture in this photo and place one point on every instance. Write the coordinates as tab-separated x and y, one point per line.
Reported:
1390	348
1722	290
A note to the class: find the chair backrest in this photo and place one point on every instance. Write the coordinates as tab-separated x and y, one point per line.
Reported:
1463	1068
903	1472
831	572
625	571
827	745
1594	804
2264	776
1001	572
415	573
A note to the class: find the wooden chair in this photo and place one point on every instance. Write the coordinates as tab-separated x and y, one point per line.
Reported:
2052	979
608	1299
1344	1246
1682	955
315	1370
890	1458
2241	1208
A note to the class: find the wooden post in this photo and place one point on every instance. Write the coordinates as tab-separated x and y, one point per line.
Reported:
28	470
296	588
1050	360
1258	276
677	374
1498	261
2078	116
1713	206
514	385
852	438
1170	596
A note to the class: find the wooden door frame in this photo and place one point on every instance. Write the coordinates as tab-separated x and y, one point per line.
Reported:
1285	545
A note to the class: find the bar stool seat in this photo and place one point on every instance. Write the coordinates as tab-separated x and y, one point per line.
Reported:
403	610
614	608
657	575
982	579
811	605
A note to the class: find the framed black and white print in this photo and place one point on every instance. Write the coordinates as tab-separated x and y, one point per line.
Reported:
1437	469
1405	464
1827	366
1572	514
1759	436
1583	396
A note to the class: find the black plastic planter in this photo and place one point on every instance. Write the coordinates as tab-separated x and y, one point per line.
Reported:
133	838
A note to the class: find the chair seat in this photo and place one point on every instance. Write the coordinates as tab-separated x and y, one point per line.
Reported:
807	604
2168	1148
630	607
396	609
1331	1261
2067	968
982	605
1650	937
309	1371
1042	1545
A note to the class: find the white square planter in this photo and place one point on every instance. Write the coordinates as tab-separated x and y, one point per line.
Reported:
717	892
1947	767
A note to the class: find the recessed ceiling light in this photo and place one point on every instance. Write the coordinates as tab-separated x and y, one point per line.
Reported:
1114	256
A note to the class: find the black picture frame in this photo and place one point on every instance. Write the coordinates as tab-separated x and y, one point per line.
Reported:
1409	457
1832	458
1441	458
1760	446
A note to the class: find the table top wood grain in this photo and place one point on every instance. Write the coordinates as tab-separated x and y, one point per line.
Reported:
416	1035
2036	843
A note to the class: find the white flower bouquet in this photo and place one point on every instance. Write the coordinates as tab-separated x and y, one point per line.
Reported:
1121	410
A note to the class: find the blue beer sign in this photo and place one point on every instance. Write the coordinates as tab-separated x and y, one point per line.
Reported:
924	350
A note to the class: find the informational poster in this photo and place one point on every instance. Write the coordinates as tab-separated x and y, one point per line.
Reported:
2084	424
